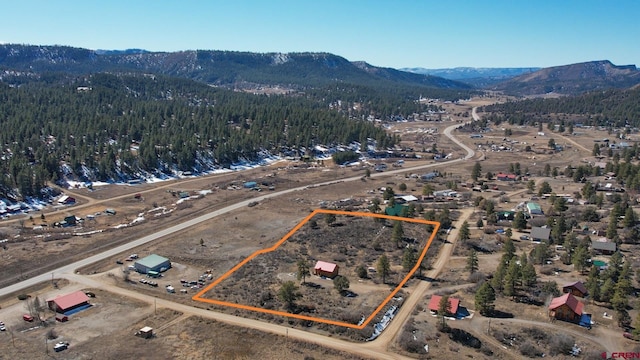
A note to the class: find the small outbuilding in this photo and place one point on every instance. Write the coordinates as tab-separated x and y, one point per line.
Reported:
152	263
250	184
326	269
66	200
566	307
145	333
66	304
576	289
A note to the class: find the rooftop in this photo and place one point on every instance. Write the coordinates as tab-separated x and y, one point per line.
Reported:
567	299
434	303
70	300
152	260
325	266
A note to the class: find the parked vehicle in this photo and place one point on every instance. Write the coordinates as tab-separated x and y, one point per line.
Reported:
27	317
2	326
61	346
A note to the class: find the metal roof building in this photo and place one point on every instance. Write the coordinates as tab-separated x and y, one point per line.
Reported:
65	303
152	262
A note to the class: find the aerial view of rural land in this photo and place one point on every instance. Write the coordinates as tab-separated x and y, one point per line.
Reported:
319	180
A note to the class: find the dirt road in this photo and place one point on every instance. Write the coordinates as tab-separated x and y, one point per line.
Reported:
359	349
383	342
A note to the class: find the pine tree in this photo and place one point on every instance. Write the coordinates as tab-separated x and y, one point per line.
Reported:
444	309
592	285
519	222
472	262
529	276
464	233
383	267
484	298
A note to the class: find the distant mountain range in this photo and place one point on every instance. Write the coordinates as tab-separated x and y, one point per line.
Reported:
562	80
301	71
222	68
572	79
479	77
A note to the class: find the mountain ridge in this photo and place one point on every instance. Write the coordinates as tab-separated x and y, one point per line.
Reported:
215	67
572	79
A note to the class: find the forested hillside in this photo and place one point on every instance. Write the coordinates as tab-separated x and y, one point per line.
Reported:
110	127
299	71
611	108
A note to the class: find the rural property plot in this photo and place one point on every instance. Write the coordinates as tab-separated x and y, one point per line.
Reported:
350	240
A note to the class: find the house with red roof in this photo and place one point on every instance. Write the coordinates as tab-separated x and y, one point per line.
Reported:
566	307
506	177
576	289
66	303
326	269
434	304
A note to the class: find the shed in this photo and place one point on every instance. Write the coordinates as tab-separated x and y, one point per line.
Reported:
146	332
434	304
66	200
540	233
250	184
326	269
152	262
576	289
566	307
67	303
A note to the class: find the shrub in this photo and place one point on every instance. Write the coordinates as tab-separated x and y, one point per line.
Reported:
530	350
561	344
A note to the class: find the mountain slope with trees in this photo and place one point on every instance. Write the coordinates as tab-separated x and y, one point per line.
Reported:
118	127
572	79
222	68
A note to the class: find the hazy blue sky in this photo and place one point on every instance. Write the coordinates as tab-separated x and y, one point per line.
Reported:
398	33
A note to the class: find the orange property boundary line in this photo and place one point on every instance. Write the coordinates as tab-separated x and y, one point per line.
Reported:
198	296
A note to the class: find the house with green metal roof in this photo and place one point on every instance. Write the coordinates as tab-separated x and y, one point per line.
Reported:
534	209
152	263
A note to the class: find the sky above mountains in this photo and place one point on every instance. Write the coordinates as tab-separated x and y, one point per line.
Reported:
397	34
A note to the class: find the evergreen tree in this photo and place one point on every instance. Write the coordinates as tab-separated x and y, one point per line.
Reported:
398	233
484	299
444	309
383	267
508	249
519	221
476	171
497	282
464	233
303	270
579	258
592	285
472	262
409	258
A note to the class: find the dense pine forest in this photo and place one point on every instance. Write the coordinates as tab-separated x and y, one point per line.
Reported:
108	127
609	108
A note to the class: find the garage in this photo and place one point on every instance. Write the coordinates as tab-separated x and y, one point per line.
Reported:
153	263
